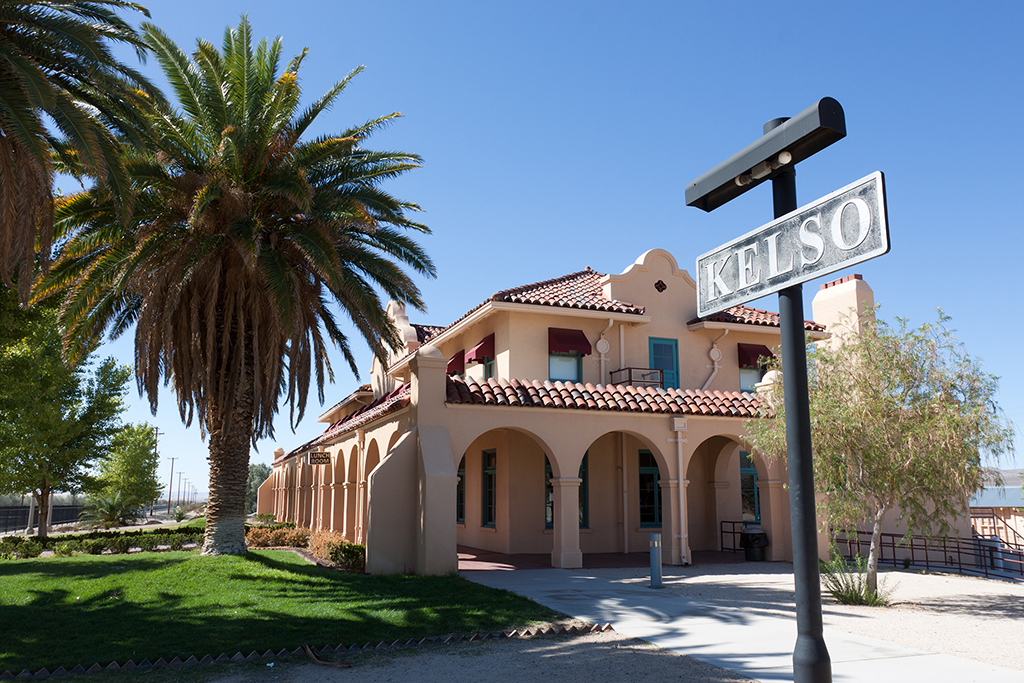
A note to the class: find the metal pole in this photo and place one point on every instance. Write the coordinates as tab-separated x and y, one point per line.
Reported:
811	662
656	561
179	489
170	486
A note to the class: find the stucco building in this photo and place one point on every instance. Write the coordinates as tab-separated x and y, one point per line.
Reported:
571	416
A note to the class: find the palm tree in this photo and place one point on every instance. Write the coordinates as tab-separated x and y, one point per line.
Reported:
241	239
63	99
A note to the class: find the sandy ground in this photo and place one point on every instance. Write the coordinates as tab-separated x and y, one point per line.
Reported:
966	617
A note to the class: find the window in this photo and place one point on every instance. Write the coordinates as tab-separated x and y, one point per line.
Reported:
650	490
752	361
549	496
564	367
748	490
460	493
664	356
489	487
488	367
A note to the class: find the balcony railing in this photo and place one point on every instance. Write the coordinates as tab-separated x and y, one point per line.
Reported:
639	377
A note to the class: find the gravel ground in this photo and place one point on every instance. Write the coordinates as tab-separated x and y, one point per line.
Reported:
966	617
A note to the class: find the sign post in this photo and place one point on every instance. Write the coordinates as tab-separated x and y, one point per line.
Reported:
846	227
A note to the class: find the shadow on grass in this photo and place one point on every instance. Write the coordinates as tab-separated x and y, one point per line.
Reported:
63	612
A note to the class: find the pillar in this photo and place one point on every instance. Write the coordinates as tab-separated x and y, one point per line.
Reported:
566	553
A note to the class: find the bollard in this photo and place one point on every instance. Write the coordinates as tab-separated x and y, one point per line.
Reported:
656	561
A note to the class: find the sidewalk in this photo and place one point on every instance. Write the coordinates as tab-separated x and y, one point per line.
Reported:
758	646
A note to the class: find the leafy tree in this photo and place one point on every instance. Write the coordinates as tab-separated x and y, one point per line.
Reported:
129	472
242	238
900	421
63	97
55	420
258	473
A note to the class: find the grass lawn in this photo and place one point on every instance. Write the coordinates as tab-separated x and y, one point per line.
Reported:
97	609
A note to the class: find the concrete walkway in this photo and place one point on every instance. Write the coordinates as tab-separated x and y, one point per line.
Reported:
758	646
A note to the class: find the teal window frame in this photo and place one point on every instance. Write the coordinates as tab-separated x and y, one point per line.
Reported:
489	488
460	493
649	518
488	367
669	376
549	495
579	366
748	488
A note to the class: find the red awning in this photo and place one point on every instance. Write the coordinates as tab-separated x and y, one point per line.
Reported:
750	355
457	364
566	341
485	349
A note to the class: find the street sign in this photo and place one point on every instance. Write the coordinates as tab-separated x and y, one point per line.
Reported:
318	458
843	228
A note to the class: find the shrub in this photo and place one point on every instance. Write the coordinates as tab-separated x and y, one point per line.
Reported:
265	519
120	545
65	548
110	510
176	541
29	548
266	537
332	547
94	546
179	514
848	584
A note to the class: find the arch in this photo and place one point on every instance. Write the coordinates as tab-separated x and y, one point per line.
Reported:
460	446
372	458
393	440
352	466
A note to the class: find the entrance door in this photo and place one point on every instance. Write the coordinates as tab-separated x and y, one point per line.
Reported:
664	355
748	490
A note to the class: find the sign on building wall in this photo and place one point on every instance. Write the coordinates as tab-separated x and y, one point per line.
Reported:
318	458
834	232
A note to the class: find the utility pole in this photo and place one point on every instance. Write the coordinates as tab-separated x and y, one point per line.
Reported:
179	488
156	451
170	486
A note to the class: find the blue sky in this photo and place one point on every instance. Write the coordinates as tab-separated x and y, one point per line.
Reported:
559	135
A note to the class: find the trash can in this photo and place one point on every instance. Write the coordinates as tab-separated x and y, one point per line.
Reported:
753	540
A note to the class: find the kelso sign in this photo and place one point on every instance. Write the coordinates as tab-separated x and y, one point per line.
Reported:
844	228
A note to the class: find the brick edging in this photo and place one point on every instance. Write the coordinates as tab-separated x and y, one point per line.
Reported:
161	663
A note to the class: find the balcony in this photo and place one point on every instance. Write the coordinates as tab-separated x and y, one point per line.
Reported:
639	377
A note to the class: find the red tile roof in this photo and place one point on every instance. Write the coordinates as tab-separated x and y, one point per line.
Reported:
745	315
622	398
397	399
575	290
425	333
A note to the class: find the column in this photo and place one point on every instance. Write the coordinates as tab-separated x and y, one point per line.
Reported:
685	529
349	528
718	490
770	496
672	552
566	553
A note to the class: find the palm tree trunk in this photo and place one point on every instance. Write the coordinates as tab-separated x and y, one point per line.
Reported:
229	474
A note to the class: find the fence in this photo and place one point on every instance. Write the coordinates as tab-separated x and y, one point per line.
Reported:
981	556
15	517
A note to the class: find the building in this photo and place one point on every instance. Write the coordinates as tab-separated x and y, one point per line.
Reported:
571	416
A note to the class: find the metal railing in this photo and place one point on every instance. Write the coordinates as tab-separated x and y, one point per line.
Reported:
989	515
990	557
15	517
731	530
639	377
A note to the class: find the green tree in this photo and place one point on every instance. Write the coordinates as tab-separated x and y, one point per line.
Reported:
129	471
242	239
901	420
258	473
64	98
55	420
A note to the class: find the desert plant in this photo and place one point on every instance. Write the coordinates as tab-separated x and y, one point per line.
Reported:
847	582
179	514
110	510
332	547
